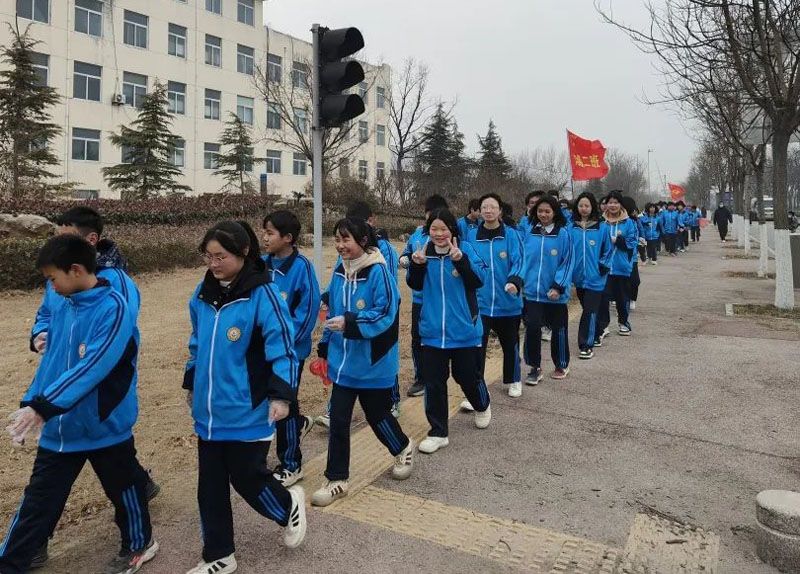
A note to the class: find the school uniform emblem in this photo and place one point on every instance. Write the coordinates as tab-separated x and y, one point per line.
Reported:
503	255
592	242
455	272
285	295
360	304
234	334
554	252
82	350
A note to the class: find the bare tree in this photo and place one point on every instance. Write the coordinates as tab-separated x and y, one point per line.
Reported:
289	97
410	110
756	43
543	168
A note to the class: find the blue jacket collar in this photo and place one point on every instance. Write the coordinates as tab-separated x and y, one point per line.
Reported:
286	265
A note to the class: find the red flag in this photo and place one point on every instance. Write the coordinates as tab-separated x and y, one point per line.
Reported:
588	158
676	191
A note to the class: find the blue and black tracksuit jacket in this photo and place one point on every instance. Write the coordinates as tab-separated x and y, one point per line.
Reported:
549	263
591	247
501	250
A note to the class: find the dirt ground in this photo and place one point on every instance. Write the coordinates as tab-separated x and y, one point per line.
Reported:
164	435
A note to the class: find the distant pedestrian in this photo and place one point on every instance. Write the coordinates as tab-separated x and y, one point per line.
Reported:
722	217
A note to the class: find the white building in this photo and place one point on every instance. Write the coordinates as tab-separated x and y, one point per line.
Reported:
103	55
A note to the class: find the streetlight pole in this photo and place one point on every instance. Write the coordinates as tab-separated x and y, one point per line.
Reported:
649	187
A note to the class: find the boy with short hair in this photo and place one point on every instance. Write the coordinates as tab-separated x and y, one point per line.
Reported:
83	397
294	276
472	219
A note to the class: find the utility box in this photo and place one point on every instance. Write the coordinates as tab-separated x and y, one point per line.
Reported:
794	247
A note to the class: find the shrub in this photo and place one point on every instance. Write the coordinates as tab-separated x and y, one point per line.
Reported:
18	264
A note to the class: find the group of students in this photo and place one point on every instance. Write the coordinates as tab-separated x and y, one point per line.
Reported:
252	318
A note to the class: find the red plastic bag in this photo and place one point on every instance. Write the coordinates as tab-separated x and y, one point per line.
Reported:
319	367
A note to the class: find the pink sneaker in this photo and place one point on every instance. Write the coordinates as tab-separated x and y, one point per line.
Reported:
559	374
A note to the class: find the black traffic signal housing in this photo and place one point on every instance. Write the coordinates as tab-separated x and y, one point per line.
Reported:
336	74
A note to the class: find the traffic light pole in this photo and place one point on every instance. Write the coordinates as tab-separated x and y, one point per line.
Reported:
316	161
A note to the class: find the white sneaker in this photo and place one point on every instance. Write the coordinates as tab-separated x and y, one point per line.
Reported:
624	330
547	334
295	531
654	263
225	565
404	462
396	410
433	443
466	406
324	421
333	490
515	390
633	305
605	333
287	477
482	419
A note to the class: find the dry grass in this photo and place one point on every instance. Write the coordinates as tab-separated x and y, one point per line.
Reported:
766	311
747	275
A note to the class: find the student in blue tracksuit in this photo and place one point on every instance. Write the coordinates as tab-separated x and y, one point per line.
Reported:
566	210
415	243
471	220
624	236
83	398
362	210
549	263
524	224
684	221
634	280
294	277
694	224
111	266
360	343
669	228
651	223
500	299
592	251
449	274
241	379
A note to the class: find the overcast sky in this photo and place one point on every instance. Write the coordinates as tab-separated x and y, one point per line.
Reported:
536	67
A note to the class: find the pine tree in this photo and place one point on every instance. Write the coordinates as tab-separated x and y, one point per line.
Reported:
148	145
25	127
236	165
436	152
493	163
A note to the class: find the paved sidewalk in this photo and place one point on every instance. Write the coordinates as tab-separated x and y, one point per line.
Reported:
647	459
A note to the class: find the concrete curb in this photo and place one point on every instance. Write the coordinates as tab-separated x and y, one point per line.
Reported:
729	309
778	532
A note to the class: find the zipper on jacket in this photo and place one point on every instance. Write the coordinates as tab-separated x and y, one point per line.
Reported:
347	298
69	366
211	364
541	262
444	302
491	258
584	256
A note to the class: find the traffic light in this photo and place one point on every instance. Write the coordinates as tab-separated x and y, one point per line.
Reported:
336	74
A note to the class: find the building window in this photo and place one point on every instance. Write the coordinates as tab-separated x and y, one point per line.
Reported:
246	12
214	6
380	100
36	10
344	169
273	117
299	75
134	88
299	164
363	91
176	41
213	51
363	132
273	161
245	59
89	17
274	68
127	154
380	171
380	136
41	65
178	155
176	96
85	144
210	156
362	169
135	29
301	120
86	81
213	104
244	109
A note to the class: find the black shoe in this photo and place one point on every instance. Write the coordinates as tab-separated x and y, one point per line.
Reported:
130	561
416	390
151	490
41	557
